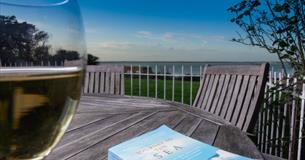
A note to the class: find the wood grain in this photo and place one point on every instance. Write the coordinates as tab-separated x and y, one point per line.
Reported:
228	93
104	121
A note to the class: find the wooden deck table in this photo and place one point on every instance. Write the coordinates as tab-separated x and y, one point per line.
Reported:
104	121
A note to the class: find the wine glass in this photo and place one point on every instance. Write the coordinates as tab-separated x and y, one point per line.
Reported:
42	62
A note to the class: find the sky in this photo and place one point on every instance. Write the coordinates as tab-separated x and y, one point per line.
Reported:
143	30
164	30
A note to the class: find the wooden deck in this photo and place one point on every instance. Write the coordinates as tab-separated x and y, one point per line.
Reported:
104	121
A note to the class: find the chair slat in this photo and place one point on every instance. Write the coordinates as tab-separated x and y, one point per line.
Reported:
217	94
207	92
246	104
212	93
91	82
228	96
256	102
112	82
122	88
199	96
240	100
104	79
96	82
253	110
233	92
117	83
205	82
233	101
86	85
102	82
107	82
223	94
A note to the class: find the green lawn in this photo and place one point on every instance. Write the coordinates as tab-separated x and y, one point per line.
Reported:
177	94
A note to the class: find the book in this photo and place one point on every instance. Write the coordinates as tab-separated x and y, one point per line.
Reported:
164	143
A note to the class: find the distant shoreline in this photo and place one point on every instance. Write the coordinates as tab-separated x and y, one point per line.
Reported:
188	61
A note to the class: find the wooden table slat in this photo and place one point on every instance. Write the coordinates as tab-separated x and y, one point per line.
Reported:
92	127
171	119
187	124
104	121
80	120
66	151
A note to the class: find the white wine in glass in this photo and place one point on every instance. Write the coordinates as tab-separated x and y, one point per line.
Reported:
42	63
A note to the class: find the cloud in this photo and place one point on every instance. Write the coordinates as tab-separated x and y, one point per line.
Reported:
217	38
159	37
180	37
204	42
144	34
115	45
168	36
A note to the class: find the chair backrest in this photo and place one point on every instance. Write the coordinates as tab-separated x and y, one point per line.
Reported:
233	92
104	79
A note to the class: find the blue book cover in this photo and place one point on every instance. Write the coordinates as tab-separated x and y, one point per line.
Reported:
164	143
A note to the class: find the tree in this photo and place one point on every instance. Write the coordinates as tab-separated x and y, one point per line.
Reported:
92	60
62	55
279	27
24	42
275	25
21	41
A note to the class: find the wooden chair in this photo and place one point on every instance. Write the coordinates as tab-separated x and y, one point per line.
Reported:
233	93
104	79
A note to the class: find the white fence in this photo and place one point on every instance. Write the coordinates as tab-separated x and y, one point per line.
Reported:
280	123
163	82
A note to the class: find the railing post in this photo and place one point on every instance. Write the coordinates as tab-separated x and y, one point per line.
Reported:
284	112
259	129
122	82
131	80
300	138
156	81
272	120
164	82
264	120
276	118
140	75
182	84
291	153
173	85
200	73
191	85
147	81
268	126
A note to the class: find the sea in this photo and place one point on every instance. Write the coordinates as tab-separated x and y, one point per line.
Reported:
186	67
